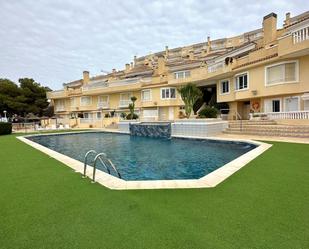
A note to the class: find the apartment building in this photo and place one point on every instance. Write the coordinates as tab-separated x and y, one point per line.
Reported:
264	71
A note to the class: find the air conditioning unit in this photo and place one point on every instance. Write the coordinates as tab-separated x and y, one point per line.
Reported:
254	92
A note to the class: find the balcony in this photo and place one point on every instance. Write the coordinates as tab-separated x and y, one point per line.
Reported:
124	103
72	92
294	43
56	94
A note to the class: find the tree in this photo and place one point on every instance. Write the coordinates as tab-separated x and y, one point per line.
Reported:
30	96
190	93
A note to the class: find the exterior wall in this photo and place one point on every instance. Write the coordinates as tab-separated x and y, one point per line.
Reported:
257	83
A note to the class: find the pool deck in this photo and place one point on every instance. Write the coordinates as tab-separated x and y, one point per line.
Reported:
210	180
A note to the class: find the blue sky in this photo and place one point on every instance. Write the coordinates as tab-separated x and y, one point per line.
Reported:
54	41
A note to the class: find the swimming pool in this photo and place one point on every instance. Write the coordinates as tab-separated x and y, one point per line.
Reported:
144	158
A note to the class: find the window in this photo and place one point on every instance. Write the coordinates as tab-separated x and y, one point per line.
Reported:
276	105
146	95
182	74
291	104
125	96
125	99
60	105
87	115
225	86
281	73
168	93
73	102
103	101
242	81
85	101
99	115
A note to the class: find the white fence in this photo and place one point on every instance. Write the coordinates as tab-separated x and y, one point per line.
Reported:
282	115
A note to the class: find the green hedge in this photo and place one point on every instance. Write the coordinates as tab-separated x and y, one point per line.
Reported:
5	128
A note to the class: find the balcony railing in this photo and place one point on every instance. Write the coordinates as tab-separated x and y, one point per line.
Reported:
56	94
300	35
282	115
215	67
124	103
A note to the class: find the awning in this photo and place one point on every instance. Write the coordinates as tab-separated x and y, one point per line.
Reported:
305	96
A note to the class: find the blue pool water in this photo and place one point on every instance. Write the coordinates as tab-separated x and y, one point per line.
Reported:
144	158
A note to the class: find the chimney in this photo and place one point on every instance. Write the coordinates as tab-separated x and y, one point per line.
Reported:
135	59
131	65
161	65
191	55
208	44
85	77
270	28
114	70
287	20
166	51
127	67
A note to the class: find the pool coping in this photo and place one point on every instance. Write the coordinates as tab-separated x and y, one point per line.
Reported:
208	181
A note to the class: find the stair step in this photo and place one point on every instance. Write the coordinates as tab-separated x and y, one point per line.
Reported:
249	122
270	133
270	128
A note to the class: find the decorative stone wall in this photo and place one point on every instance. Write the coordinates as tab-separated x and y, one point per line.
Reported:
158	130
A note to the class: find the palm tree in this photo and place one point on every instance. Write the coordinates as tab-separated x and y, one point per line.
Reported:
190	93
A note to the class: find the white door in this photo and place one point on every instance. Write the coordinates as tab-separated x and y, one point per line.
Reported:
291	104
171	113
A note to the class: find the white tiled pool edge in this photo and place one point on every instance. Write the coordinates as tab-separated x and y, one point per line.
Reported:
109	181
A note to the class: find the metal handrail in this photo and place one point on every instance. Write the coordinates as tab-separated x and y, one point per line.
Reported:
98	157
239	116
85	160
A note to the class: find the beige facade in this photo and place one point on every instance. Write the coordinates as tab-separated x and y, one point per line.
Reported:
265	71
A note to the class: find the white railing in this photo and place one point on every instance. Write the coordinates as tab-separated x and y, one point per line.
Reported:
124	103
86	120
103	105
282	115
63	120
300	35
215	67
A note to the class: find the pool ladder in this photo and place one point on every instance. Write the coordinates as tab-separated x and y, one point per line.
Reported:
106	162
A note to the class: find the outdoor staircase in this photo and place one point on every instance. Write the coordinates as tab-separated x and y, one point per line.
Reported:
266	128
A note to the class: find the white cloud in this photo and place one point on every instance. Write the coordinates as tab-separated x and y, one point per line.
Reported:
54	41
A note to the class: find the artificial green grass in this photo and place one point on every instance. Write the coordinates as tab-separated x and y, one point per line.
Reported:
44	204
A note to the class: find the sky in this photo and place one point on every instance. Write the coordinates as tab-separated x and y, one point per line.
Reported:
54	41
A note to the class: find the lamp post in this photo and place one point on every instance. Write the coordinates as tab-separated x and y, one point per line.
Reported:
5	116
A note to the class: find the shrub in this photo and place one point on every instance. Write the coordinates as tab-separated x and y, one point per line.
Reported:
5	128
130	116
208	112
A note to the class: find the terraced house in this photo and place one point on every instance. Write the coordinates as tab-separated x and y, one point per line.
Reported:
264	72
